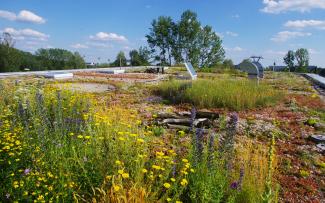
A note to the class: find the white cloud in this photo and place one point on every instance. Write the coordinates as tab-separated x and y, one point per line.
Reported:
300	24
236	16
234	49
28	16
103	36
26	33
279	6
286	35
79	46
232	34
7	15
24	16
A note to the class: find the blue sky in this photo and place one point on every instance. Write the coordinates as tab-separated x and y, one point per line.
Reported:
99	29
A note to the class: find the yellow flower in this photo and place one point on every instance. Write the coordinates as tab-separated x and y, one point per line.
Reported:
80	136
120	172
121	138
184	182
108	177
125	175
192	170
87	137
181	133
156	167
173	179
169	199
71	134
160	153
116	188
25	193
118	162
185	160
167	185
178	201
40	197
140	140
144	170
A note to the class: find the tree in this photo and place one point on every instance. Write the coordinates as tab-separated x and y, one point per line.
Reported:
120	59
188	29
9	56
209	46
289	60
302	57
140	58
228	63
7	40
135	58
145	55
161	38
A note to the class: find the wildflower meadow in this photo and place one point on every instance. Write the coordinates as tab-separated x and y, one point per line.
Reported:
58	145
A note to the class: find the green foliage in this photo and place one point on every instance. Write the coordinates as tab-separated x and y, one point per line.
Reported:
289	60
120	60
228	63
302	57
210	50
223	93
44	59
311	121
161	37
141	57
59	59
185	40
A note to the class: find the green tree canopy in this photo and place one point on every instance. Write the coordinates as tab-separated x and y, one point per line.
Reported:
140	58
185	41
210	51
289	60
161	38
302	57
120	60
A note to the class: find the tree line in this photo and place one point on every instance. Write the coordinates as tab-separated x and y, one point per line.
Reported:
169	42
12	59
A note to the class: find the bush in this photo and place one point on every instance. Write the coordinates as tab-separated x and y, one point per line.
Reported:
223	93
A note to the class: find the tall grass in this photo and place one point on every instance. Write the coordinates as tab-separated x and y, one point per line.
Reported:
223	93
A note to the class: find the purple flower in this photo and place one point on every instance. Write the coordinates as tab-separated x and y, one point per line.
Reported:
234	185
26	171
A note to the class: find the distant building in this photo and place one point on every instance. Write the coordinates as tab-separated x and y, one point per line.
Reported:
310	69
278	68
90	64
